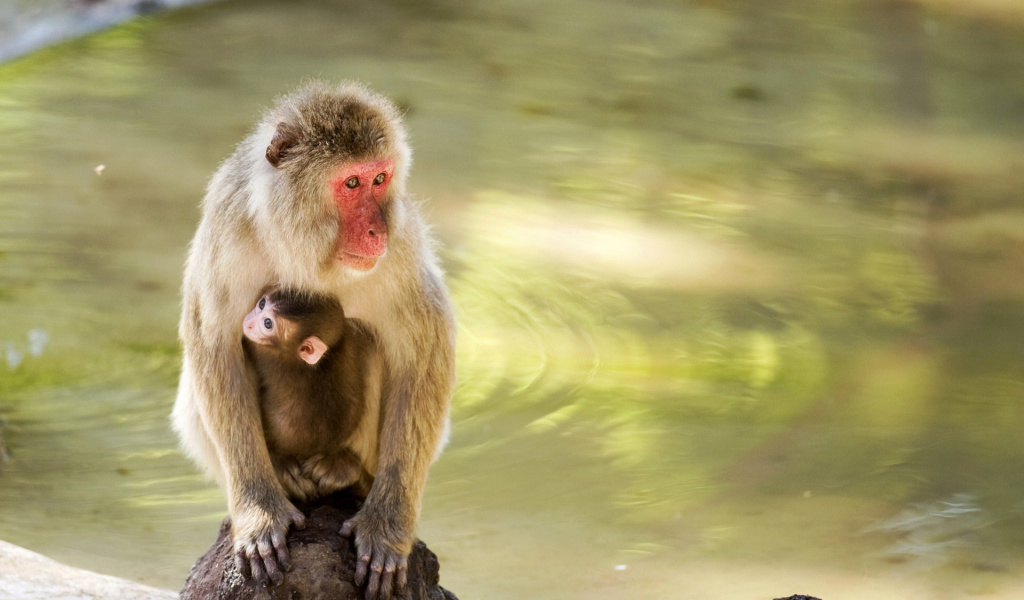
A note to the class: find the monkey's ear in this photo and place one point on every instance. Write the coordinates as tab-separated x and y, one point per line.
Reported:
285	138
312	349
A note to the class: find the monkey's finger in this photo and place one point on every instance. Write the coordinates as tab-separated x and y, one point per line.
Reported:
401	574
373	585
280	542
273	571
299	521
362	566
386	580
378	568
388	577
347	527
269	560
242	563
258	572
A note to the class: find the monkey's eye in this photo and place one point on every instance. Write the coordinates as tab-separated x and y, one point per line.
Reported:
268	324
352	182
379	179
263	303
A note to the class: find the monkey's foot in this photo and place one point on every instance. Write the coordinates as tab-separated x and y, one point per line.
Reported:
261	545
332	473
295	483
382	554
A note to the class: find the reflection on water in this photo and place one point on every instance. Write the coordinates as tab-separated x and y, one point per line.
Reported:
928	533
737	284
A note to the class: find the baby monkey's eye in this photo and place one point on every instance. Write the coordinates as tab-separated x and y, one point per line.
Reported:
263	302
268	324
352	182
379	179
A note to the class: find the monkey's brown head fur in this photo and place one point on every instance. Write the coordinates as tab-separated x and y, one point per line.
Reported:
321	126
317	314
329	180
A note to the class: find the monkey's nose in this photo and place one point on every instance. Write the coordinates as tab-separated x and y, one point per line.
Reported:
376	241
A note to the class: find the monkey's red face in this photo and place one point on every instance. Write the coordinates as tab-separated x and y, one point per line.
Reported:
359	190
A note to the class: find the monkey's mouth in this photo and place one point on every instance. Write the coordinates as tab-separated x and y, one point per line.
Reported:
357	262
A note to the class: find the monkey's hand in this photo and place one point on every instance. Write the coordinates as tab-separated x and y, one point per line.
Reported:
261	546
382	551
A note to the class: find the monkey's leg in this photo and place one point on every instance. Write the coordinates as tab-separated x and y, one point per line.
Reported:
260	511
333	472
414	411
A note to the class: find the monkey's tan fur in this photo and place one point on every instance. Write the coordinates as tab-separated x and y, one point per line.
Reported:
262	225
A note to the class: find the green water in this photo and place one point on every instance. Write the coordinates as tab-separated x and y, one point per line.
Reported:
738	284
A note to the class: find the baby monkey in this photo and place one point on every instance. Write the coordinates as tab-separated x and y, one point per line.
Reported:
320	387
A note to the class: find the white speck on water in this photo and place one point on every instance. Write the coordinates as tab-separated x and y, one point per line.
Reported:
37	340
620	567
13	356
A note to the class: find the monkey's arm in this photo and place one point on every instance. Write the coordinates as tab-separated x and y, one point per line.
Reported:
226	398
420	350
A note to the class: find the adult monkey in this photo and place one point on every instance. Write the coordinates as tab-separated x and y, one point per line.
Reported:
315	199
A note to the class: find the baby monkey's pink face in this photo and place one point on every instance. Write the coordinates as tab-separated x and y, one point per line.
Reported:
265	327
261	324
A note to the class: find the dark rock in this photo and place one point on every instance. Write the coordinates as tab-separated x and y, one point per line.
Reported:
323	563
799	597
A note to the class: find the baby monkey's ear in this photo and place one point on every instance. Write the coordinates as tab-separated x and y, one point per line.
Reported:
312	349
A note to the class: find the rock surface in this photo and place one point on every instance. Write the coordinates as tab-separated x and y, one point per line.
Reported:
323	564
25	575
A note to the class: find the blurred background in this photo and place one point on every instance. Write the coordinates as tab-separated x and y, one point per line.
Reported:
739	289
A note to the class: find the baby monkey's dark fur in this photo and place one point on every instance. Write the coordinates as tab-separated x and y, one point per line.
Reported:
315	415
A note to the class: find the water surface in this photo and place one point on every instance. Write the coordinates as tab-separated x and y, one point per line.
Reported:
738	286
